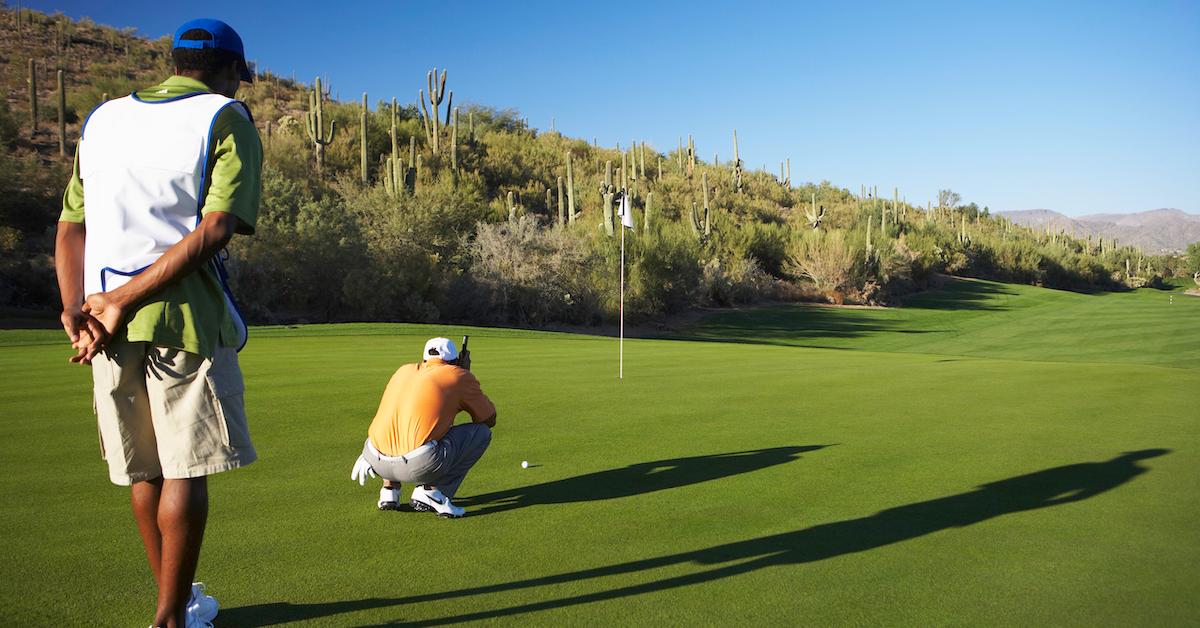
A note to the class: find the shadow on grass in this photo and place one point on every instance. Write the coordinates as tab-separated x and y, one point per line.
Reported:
962	294
635	479
1041	489
792	323
808	325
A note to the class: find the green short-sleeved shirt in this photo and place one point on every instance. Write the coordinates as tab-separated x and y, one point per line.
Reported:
190	314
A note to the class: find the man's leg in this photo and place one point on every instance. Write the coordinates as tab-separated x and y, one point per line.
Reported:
127	438
389	469
461	448
182	514
144	496
201	429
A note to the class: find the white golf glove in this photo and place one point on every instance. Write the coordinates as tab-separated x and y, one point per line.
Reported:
362	469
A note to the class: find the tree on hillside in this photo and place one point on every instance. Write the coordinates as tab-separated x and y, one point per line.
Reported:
948	198
1193	257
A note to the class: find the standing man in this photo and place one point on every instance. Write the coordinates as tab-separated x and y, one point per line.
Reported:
163	179
413	437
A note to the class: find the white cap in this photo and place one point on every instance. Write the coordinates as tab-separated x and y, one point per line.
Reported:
441	348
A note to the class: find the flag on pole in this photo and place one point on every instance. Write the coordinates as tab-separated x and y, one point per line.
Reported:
625	212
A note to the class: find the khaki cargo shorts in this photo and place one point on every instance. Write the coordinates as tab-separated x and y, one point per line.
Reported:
168	413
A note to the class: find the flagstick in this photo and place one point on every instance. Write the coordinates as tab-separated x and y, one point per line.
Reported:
621	342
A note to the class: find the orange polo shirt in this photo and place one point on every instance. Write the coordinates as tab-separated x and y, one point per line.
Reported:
420	404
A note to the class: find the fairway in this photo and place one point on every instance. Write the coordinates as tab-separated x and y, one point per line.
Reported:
988	454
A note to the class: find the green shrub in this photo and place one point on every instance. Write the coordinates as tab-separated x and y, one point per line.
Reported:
665	271
525	274
827	260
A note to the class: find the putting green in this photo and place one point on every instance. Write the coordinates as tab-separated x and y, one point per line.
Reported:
988	454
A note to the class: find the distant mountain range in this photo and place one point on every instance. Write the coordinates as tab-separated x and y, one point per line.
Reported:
1154	231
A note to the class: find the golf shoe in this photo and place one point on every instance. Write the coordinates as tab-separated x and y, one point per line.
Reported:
389	498
432	500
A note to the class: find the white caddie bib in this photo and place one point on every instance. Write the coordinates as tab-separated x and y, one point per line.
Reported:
143	165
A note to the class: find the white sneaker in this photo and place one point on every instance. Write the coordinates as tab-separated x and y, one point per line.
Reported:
201	608
190	621
432	500
389	498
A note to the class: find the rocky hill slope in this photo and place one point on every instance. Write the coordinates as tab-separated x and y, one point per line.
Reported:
1154	231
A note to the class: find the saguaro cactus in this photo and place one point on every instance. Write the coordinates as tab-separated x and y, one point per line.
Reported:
362	139
562	209
62	117
394	177
412	162
606	194
437	92
33	99
870	245
315	124
701	226
813	214
691	157
570	191
737	165
624	171
392	131
454	143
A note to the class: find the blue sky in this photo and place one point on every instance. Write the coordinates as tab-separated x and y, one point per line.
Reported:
1078	107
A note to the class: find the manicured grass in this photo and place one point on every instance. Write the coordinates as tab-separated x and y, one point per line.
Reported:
960	460
989	319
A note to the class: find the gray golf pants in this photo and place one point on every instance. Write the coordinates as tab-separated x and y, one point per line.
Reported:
444	465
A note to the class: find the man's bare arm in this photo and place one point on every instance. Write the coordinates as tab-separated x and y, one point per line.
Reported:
68	266
190	253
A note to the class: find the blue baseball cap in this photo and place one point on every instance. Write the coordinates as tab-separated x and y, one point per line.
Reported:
223	38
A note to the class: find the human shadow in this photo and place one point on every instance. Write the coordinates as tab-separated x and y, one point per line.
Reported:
635	479
1041	489
274	613
1050	487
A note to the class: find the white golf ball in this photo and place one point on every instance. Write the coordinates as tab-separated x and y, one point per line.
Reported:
524	464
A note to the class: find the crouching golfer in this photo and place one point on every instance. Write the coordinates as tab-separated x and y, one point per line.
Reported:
413	437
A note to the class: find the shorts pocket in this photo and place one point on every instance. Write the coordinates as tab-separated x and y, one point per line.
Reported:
227	389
